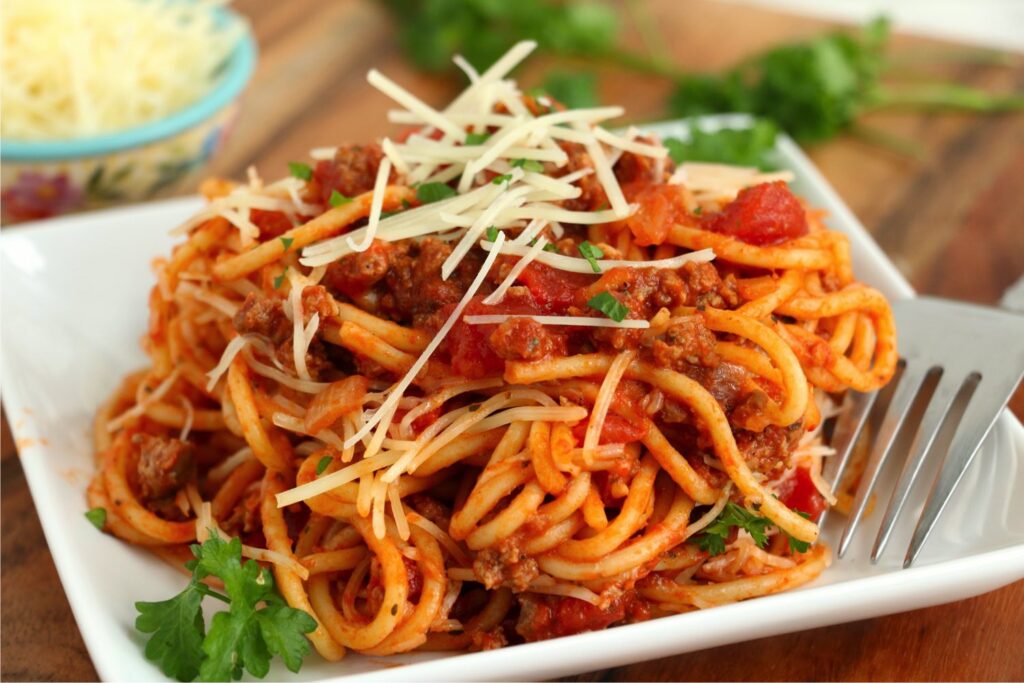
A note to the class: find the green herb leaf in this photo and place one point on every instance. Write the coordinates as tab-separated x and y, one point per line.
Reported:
795	544
322	464
477	138
97	517
430	32
177	632
492	234
287	242
798	546
300	170
713	538
528	165
609	305
428	193
279	280
505	178
337	199
547	247
243	638
737	146
574	90
591	253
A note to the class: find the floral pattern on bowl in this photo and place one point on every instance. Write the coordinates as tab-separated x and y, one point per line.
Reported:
31	190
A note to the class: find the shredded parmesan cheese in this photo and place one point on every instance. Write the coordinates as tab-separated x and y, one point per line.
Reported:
77	69
603	402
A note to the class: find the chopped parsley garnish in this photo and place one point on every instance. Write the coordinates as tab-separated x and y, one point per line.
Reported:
287	242
97	517
279	280
242	638
795	544
504	178
300	170
698	210
492	234
428	193
322	464
591	253
610	306
528	165
477	138
337	199
547	247
713	539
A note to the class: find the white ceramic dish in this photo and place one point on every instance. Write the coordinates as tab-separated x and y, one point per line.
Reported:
74	307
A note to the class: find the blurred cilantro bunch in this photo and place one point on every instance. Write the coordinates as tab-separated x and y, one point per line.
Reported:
432	31
812	89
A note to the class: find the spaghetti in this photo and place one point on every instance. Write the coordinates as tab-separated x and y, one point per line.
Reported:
484	383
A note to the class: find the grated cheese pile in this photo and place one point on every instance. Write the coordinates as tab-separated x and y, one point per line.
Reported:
507	168
76	68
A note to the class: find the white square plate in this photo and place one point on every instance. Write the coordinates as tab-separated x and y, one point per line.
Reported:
74	308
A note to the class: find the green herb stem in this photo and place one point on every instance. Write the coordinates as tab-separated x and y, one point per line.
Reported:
206	590
945	96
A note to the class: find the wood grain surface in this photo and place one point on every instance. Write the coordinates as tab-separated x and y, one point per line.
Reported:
953	223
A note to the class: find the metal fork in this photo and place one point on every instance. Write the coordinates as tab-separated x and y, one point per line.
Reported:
974	358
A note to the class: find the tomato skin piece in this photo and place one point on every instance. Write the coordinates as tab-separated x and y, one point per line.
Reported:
270	223
659	208
616	429
800	493
554	290
761	215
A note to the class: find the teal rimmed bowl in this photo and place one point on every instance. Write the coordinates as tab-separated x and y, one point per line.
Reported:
44	178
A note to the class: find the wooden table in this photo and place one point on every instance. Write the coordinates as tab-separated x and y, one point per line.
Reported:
952	223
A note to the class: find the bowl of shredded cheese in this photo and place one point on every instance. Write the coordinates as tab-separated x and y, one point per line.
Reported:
110	101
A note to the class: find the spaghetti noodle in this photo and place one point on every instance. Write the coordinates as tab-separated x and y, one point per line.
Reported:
484	383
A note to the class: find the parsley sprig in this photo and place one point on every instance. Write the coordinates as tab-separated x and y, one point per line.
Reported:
714	536
257	625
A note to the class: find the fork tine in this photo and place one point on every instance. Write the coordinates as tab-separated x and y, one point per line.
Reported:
849	426
931	423
906	391
982	411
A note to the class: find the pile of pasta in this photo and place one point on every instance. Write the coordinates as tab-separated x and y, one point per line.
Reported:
408	496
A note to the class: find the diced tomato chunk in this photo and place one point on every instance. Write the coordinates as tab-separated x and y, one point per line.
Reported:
659	208
553	290
800	493
616	429
270	223
763	214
